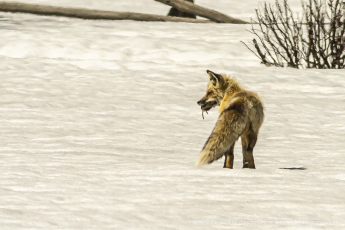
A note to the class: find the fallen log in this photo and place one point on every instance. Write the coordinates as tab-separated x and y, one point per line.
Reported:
191	8
177	13
15	7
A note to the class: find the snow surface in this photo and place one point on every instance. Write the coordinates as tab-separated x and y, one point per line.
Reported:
100	128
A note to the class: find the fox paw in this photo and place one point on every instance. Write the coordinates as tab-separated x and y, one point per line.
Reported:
246	165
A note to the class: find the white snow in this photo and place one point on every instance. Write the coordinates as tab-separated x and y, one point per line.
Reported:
100	128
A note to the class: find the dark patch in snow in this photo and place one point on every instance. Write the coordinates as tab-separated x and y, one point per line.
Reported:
295	168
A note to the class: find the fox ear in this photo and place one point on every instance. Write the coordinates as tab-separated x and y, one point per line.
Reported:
214	77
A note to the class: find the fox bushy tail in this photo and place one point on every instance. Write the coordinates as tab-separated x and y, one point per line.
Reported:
228	129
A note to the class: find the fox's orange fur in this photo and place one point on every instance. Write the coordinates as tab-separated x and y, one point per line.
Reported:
241	115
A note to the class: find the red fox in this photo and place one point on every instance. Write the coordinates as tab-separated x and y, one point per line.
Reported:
241	115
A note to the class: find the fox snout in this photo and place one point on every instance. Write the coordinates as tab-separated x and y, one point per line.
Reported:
207	104
201	102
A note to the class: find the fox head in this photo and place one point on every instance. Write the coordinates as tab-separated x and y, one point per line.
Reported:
214	92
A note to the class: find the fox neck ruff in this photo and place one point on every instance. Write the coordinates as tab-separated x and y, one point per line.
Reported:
231	87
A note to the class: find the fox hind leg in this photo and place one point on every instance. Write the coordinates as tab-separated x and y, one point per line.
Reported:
248	143
229	158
